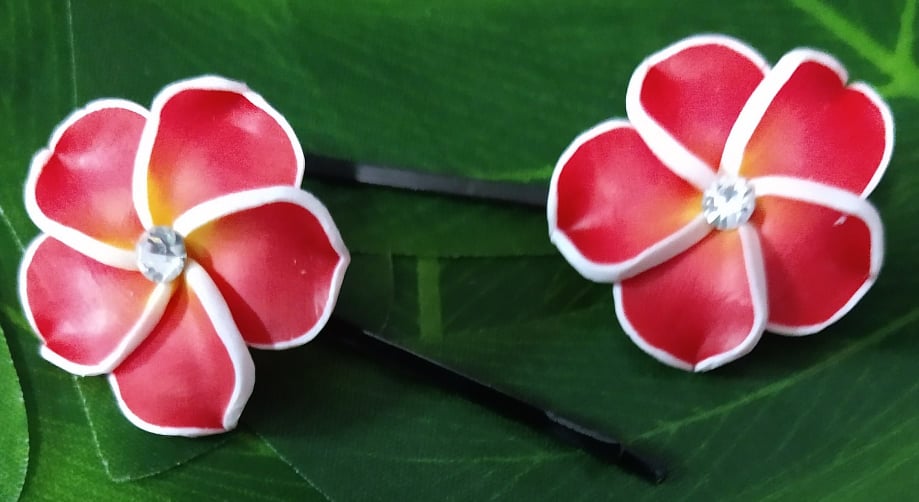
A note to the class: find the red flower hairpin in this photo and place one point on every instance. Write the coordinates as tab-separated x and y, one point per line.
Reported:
173	238
731	202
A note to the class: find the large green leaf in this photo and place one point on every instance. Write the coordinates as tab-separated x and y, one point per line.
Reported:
492	89
390	222
65	462
14	430
148	454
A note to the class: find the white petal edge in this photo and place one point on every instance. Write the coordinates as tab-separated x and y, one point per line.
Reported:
756	278
654	255
202	83
216	308
839	200
153	311
219	207
759	102
73	238
672	153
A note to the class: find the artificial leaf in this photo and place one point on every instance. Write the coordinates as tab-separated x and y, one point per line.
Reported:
709	429
148	454
432	295
14	429
65	462
366	295
380	221
339	431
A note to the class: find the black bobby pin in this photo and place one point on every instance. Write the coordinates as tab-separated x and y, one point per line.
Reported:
532	195
595	443
330	169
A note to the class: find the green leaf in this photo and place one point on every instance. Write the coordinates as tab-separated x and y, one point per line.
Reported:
14	430
432	296
816	401
493	89
148	453
367	293
362	432
379	221
65	464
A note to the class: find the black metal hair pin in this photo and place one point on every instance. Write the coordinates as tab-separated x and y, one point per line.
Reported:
533	195
595	443
525	194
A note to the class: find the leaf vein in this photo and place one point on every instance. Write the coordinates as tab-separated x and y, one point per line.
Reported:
779	386
9	226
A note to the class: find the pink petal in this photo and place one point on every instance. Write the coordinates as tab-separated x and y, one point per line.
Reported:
79	188
804	122
277	258
209	137
193	374
90	316
685	99
615	210
823	249
702	309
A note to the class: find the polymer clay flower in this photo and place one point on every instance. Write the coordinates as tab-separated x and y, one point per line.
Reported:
173	238
731	202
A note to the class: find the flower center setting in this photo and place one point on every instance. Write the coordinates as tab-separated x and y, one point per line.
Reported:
161	254
728	203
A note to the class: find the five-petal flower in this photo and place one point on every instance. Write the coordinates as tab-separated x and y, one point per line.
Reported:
217	168
732	201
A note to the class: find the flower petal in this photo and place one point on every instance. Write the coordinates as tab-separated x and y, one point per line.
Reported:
79	188
823	248
615	210
193	375
277	258
702	309
209	137
90	316
804	122
685	99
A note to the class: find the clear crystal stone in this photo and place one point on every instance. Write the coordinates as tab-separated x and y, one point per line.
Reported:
728	203
161	254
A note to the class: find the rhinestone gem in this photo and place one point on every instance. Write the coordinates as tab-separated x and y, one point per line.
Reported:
161	254
728	203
